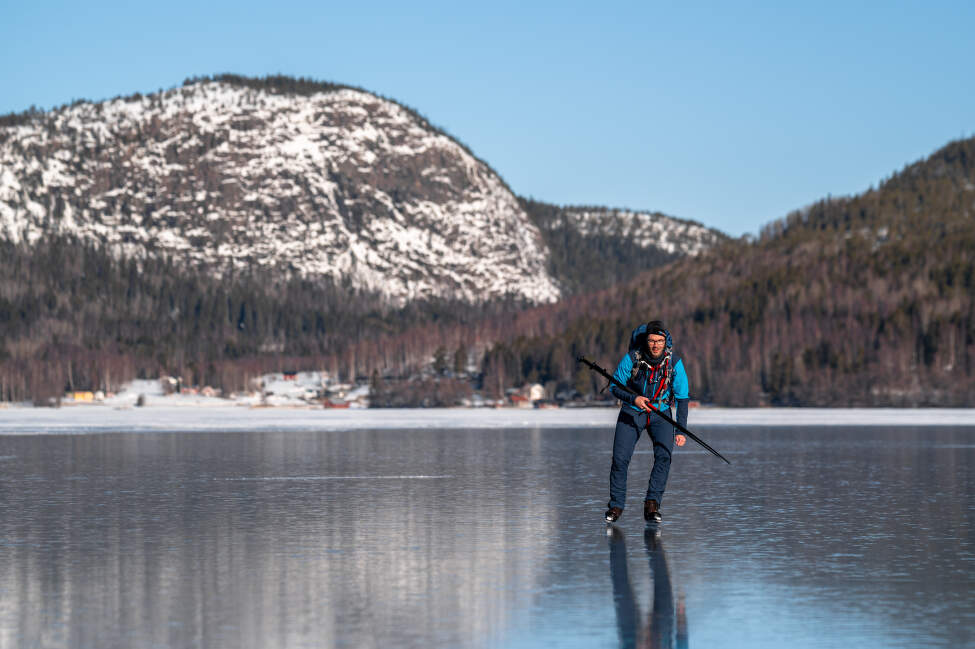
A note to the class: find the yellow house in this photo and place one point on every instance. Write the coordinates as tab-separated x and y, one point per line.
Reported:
83	396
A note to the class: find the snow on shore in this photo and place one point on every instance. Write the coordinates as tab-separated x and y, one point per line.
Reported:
211	418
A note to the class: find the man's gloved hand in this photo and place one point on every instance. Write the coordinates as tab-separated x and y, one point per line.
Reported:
682	420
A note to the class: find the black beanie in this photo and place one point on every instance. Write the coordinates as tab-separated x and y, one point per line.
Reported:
656	327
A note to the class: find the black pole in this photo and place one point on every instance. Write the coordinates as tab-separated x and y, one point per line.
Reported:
612	379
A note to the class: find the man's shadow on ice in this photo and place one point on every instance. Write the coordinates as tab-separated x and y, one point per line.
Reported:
665	626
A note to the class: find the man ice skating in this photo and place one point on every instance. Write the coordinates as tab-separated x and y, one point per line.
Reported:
656	373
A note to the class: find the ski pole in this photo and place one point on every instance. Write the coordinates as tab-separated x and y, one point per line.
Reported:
612	379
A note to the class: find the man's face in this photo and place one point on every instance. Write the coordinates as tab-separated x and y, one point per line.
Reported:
655	342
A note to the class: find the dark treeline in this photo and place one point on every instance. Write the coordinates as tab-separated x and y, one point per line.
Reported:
19	119
74	316
854	301
274	83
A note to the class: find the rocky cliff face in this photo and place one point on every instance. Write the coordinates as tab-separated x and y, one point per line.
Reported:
341	184
646	230
338	183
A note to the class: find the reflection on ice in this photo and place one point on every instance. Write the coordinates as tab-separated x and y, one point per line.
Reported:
664	626
483	538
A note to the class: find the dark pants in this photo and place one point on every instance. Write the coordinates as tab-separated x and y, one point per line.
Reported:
629	425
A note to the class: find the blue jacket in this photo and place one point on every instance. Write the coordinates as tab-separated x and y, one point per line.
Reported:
646	380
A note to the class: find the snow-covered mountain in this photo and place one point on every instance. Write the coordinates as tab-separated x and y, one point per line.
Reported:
644	229
338	183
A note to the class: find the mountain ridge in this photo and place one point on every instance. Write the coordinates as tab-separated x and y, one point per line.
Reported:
224	176
317	179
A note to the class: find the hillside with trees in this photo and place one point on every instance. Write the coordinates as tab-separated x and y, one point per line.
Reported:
863	300
238	225
866	300
617	245
75	316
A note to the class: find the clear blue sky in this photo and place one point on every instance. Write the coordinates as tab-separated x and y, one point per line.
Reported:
730	113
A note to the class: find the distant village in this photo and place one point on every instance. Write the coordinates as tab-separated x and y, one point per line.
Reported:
310	390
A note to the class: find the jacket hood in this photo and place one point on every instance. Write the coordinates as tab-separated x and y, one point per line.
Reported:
639	335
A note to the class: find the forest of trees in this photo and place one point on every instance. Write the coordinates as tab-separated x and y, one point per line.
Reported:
866	300
74	316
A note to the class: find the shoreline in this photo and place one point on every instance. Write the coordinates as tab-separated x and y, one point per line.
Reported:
81	419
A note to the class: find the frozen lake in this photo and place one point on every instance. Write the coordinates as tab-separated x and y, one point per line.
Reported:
829	536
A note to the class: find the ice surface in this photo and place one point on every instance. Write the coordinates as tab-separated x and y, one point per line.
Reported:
196	413
484	538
